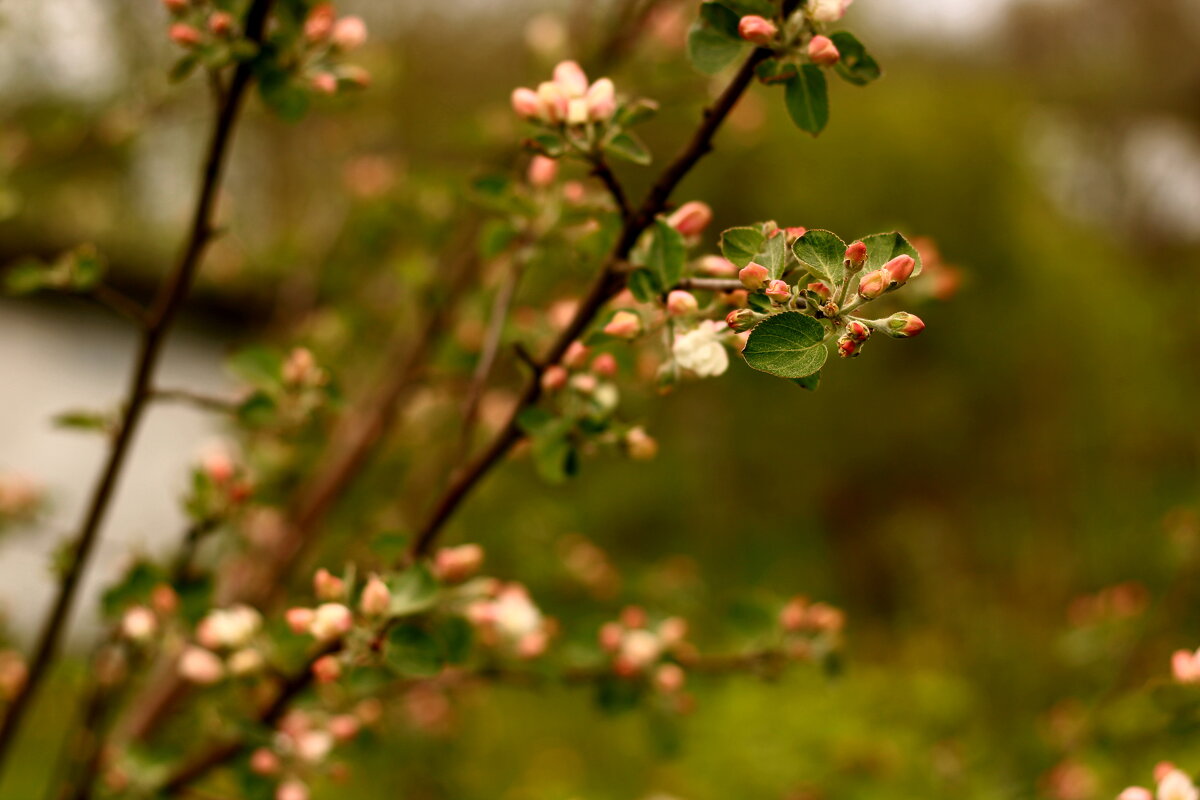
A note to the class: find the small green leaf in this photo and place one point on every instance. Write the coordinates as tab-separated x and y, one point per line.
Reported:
495	237
281	93
807	99
644	285
855	65
824	254
533	419
741	245
627	146
554	455
547	144
721	19
413	651
809	382
183	68
883	247
413	591
773	256
84	420
456	636
257	366
787	345
773	71
713	41
667	255
635	113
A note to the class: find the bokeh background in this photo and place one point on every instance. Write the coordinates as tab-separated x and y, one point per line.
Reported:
970	497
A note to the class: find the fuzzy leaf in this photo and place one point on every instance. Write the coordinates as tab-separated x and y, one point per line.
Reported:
413	591
410	650
628	147
856	65
741	245
787	345
883	247
824	254
807	98
667	255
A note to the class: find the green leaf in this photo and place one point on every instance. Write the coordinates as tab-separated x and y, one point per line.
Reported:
553	453
667	255
721	19
644	285
809	382
281	93
413	651
495	237
773	71
533	419
635	113
773	256
626	146
183	68
883	247
548	144
855	65
257	366
84	420
824	254
741	245
389	546
713	41
257	410
413	591
27	277
456	637
807	99
787	345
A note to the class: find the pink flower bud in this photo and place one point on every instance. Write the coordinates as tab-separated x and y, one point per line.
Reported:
824	618
319	23
669	678
718	267
349	33
200	666
847	347
139	624
672	631
576	355
1162	769
1185	666
610	637
376	598
328	586
779	291
901	267
792	616
220	22
264	762
292	789
624	325
691	218
903	325
330	620
300	620
856	256
1136	793
601	100
874	283
327	669
344	727
822	51
526	103
680	303
457	564
184	35
795	232
741	319
605	365
828	10
753	276
554	378
324	83
640	445
756	29
571	78
542	171
553	102
633	617
175	6
164	599
820	290
533	644
858	331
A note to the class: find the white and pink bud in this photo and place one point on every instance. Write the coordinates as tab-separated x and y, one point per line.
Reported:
571	78
328	586
624	325
228	628
457	564
757	30
669	678
718	266
542	171
331	620
200	666
639	649
1176	785
554	378
901	268
318	25
323	83
376	597
263	761
327	669
576	355
823	52
349	33
640	445
779	291
903	325
185	35
601	100
300	620
527	103
139	624
681	303
1185	666
828	10
672	631
605	365
856	257
292	789
874	283
247	661
691	218
753	276
300	368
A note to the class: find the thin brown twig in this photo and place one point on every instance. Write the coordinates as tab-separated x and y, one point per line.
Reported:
117	302
159	320
710	284
207	402
603	171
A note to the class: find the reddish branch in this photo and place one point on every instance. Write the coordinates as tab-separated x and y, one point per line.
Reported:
158	323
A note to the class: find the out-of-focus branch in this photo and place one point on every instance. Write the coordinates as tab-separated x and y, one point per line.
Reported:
206	402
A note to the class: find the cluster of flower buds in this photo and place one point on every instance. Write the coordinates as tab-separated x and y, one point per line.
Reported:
1172	784
568	99
13	673
300	369
455	565
506	617
302	744
197	23
20	497
327	38
891	275
225	646
639	650
810	628
222	483
585	372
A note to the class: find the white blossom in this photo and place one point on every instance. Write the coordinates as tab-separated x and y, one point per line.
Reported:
700	350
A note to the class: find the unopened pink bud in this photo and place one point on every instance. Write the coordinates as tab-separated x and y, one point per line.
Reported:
640	445
292	789
792	616
691	218
457	564
779	291
901	267
331	620
220	22
554	378
319	23
741	319
201	666
874	283
718	266
533	644
299	619
184	35
601	100
576	355
753	276
822	51
324	82
903	325
795	232
756	29
856	256
175	6
571	78
624	325
376	598
328	586
526	103
669	678
858	331
542	171
848	348
349	33
680	303
264	762
164	599
139	624
633	617
820	290
344	727
605	364
610	637
327	669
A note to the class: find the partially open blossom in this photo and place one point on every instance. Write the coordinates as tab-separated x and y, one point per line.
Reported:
376	598
1185	666
856	256
1176	785
200	666
328	586
640	445
184	35
330	620
349	33
300	620
139	624
847	347
701	350
822	51
624	325
554	378
327	669
691	218
601	101
680	303
718	266
568	98
874	283
828	10
264	762
542	171
903	325
605	365
229	628
756	29
753	276
779	291
457	564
